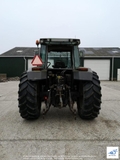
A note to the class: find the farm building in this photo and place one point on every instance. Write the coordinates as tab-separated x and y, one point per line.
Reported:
16	60
105	61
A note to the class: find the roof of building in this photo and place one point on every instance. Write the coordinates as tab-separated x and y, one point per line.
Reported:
101	52
20	52
87	52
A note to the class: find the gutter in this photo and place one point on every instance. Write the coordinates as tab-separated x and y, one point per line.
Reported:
101	56
16	56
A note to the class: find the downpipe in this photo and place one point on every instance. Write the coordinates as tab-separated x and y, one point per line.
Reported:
25	63
112	68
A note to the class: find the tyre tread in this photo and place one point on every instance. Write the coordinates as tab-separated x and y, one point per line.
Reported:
91	99
27	98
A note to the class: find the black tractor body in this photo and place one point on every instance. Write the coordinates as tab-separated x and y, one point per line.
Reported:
59	81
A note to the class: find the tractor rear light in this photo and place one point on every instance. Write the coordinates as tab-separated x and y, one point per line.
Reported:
36	69
83	69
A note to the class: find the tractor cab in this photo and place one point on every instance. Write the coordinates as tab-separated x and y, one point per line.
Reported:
59	53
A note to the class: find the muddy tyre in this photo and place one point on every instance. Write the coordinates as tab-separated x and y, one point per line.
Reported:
90	101
28	101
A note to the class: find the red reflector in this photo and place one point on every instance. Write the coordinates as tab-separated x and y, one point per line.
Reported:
37	61
83	69
45	98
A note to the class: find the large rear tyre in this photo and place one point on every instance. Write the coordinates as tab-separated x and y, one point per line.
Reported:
29	102
89	103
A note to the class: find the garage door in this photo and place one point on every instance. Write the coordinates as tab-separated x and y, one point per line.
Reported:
102	67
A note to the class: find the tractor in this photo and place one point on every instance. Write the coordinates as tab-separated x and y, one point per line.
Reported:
58	80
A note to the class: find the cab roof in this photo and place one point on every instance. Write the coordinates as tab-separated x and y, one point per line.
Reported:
64	41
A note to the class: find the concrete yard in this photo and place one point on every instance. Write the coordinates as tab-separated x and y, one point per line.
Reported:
59	136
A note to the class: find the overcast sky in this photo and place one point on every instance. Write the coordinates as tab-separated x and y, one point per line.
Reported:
95	22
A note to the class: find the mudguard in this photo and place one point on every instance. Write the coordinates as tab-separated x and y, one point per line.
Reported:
37	75
83	75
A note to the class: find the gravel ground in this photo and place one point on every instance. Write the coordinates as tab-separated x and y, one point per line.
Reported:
59	136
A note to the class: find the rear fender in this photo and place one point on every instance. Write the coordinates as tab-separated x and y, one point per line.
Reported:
83	75
37	75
